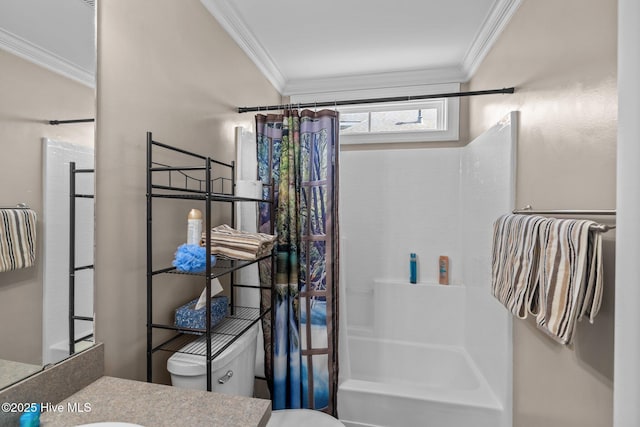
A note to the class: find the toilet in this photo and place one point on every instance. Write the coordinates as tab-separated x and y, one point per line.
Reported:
302	418
232	372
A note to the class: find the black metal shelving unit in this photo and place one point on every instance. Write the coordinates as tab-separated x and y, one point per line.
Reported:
195	180
73	269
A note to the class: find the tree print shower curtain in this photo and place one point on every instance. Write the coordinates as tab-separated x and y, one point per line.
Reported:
298	154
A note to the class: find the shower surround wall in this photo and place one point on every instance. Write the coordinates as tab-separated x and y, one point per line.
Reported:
57	156
394	202
431	201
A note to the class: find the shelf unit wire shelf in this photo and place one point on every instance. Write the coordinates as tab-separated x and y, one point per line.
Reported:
222	266
204	179
222	334
193	188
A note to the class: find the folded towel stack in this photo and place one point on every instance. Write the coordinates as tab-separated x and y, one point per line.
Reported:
237	244
17	238
550	268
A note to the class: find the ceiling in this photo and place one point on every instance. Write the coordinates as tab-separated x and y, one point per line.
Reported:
300	46
56	34
331	45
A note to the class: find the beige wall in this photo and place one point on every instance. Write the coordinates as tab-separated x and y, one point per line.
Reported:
171	69
30	97
561	57
167	67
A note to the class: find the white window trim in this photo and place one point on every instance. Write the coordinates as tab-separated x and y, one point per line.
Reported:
452	112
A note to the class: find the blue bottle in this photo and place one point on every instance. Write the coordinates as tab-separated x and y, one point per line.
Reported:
31	417
413	268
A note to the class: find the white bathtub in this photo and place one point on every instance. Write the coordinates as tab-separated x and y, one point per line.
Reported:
402	384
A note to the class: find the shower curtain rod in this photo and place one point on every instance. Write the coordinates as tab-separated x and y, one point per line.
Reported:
375	100
63	122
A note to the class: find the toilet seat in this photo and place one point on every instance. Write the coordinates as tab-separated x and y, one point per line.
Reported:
302	417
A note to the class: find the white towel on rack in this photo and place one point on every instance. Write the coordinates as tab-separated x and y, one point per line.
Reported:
17	238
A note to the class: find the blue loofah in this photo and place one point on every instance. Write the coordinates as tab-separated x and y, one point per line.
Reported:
191	258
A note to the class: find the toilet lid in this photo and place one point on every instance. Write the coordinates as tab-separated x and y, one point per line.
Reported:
302	417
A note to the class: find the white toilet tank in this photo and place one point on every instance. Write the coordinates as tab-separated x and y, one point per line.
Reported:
232	372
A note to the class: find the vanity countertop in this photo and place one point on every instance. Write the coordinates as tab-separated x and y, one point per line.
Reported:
115	399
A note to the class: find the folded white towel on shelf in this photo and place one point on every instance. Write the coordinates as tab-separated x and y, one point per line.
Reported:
17	238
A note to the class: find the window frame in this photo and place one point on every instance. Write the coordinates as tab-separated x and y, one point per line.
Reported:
451	112
417	135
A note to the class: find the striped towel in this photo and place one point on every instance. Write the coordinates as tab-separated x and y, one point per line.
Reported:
570	277
17	239
595	282
514	267
237	244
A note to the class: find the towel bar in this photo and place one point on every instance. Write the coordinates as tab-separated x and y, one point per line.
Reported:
18	206
528	210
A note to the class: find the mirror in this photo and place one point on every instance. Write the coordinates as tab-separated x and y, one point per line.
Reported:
47	63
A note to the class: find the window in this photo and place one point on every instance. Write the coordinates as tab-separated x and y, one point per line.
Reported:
393	118
410	121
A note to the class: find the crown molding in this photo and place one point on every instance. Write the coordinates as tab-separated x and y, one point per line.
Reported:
228	18
382	92
374	81
44	58
491	29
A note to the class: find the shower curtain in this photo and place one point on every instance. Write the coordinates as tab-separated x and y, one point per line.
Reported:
298	154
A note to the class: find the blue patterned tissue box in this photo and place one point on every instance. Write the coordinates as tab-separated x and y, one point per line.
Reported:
188	317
